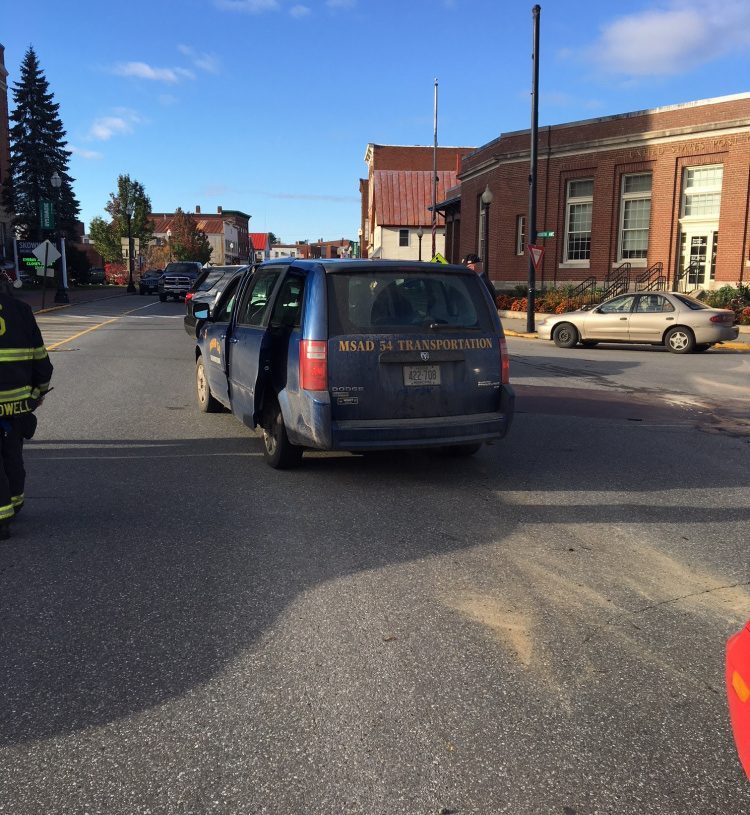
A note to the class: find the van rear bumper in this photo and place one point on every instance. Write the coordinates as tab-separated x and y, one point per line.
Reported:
437	431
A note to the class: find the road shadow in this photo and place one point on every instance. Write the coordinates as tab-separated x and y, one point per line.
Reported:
140	569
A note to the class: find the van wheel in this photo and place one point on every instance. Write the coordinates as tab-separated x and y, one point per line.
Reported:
206	401
278	451
565	335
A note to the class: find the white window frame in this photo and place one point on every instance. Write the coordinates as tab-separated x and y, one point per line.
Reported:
571	201
703	189
633	196
520	235
401	234
481	231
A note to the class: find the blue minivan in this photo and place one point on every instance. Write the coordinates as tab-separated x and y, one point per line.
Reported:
357	355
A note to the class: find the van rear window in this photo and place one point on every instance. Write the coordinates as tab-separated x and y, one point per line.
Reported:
388	301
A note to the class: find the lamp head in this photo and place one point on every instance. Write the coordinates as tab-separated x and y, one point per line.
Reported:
487	196
56	181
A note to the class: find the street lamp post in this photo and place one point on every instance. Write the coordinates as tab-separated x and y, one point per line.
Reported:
420	235
169	243
129	210
487	197
61	296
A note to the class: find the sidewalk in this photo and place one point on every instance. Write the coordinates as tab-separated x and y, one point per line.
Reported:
76	296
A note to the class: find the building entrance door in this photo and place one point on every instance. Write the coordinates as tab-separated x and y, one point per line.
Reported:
698	247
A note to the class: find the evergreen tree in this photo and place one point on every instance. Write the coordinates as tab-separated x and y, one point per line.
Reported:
188	242
107	235
37	151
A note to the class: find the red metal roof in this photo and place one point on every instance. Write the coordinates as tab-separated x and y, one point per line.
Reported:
213	225
402	197
259	240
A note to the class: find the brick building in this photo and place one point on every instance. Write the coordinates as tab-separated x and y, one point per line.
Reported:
227	232
396	195
666	186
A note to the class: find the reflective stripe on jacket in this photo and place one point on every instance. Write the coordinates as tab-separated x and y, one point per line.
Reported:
25	367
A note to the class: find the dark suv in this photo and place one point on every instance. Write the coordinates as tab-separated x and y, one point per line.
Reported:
149	282
178	279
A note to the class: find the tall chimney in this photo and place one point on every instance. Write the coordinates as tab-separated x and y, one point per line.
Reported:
197	210
219	210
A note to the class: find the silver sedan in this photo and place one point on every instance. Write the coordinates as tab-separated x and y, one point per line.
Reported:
681	323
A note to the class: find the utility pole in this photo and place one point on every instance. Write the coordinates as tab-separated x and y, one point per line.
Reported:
532	170
434	174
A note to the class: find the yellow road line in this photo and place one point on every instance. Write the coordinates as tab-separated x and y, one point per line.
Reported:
94	327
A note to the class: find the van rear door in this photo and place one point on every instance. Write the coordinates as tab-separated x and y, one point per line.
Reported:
411	343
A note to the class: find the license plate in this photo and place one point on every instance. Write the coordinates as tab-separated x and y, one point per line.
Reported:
421	374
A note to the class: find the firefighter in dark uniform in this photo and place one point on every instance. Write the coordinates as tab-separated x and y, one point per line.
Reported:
25	372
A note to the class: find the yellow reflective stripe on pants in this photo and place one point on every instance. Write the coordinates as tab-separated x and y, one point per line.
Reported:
7	512
17	355
16	500
17	393
40	353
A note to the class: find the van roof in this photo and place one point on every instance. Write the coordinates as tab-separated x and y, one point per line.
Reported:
367	264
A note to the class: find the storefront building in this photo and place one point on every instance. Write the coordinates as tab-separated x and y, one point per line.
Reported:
656	191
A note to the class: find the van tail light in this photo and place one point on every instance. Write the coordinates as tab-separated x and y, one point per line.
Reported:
504	362
313	365
188	296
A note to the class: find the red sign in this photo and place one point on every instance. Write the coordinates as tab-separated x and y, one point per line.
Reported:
537	253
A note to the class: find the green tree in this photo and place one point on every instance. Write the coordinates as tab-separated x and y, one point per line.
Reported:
272	239
107	234
37	151
188	242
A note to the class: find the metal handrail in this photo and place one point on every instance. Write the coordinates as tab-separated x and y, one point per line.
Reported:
584	294
652	279
691	269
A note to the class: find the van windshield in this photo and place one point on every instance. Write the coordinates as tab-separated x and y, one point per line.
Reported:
386	301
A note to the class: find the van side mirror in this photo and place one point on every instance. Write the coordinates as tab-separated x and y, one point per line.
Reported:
202	314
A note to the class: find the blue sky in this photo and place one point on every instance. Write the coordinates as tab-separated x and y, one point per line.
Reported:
268	105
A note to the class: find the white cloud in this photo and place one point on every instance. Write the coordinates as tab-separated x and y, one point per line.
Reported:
672	38
300	11
202	61
143	70
87	154
119	124
247	6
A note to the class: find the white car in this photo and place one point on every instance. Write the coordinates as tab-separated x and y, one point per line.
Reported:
681	323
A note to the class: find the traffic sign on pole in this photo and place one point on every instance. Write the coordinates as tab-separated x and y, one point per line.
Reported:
46	251
546	234
536	253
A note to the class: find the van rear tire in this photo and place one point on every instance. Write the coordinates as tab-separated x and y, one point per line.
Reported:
461	450
278	451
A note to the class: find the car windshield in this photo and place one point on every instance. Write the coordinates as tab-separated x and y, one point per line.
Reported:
385	300
181	268
690	302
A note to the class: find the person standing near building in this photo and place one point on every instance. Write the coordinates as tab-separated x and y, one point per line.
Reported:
474	263
25	373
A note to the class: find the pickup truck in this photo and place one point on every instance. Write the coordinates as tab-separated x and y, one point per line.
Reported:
178	279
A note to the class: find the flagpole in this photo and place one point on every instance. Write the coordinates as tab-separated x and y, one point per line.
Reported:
434	173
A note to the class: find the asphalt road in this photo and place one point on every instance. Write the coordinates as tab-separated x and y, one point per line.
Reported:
539	629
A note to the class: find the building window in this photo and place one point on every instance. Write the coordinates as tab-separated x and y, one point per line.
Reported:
520	234
403	237
578	208
635	214
481	222
701	196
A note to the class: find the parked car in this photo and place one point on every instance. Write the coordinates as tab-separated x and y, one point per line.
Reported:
681	323
357	355
206	292
178	278
95	275
149	282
